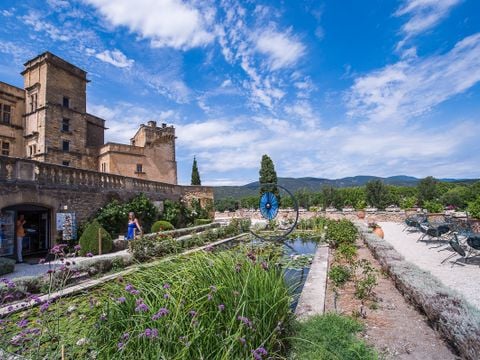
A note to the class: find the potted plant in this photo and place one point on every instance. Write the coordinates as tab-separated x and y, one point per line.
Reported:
361	204
376	229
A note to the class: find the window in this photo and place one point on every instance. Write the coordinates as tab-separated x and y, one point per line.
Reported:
5	148
66	145
66	163
139	168
33	102
66	102
104	167
65	124
32	149
6	114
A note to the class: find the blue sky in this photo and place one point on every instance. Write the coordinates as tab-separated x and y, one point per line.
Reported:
326	88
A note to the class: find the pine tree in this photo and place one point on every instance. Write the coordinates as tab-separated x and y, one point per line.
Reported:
195	174
268	176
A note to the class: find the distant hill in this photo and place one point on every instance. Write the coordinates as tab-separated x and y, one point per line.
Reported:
316	184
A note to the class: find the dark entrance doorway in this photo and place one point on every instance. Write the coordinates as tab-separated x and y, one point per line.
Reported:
37	229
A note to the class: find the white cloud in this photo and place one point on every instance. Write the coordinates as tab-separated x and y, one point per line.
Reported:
167	23
39	24
115	58
413	86
7	13
282	49
425	14
123	119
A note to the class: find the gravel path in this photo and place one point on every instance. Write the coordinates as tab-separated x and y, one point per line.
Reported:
461	277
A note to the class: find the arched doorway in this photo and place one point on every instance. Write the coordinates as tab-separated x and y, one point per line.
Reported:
36	241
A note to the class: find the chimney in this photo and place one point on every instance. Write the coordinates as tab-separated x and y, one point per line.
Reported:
152	123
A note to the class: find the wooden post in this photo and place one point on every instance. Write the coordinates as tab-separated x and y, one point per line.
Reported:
100	241
63	352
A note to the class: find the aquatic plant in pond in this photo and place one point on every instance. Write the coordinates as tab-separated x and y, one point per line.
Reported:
219	306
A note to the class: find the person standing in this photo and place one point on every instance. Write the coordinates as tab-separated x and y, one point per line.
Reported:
20	235
133	225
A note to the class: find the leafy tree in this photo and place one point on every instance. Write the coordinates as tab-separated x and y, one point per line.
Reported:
427	189
330	196
458	197
268	175
376	194
195	174
474	208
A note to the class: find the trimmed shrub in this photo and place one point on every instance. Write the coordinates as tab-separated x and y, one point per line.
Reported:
433	206
161	225
341	232
6	266
89	239
198	222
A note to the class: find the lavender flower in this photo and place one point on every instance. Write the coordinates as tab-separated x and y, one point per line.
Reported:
259	353
209	297
166	296
150	333
242	340
120	345
221	307
44	307
264	265
77	247
142	308
166	286
125	336
121	300
89	254
193	313
161	313
246	321
22	323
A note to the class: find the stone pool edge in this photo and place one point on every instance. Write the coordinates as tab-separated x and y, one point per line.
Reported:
312	297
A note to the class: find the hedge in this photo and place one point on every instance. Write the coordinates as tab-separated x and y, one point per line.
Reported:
161	225
89	239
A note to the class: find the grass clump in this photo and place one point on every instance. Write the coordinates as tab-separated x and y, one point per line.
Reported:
330	336
211	306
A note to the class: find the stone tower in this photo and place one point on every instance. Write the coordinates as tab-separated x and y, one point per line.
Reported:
57	128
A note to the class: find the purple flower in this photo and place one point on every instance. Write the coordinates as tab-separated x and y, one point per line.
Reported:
209	297
44	307
259	353
141	308
135	292
89	254
161	313
120	345
242	340
129	287
238	267
121	300
246	321
166	286
77	247
125	336
166	296
150	333
103	317
57	249
251	256
264	265
192	313
41	261
22	323
221	307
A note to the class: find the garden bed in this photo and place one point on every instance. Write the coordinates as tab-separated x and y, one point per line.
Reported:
447	311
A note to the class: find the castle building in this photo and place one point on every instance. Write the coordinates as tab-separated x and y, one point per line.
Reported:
47	121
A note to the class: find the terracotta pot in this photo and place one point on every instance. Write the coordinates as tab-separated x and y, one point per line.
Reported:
361	214
379	232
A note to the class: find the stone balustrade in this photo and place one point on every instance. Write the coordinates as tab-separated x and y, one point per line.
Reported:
24	170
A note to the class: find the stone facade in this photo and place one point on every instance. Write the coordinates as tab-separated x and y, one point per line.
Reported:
56	188
48	121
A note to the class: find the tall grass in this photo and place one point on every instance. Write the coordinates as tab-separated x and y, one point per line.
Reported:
330	337
211	306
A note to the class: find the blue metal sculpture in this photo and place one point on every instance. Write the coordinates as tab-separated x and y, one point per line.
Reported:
269	205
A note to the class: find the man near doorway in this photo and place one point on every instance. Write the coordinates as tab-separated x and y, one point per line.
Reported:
20	235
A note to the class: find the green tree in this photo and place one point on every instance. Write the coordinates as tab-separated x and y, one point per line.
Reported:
427	190
195	174
268	175
376	194
330	196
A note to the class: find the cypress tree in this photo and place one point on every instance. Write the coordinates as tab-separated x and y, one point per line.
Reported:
195	174
268	176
